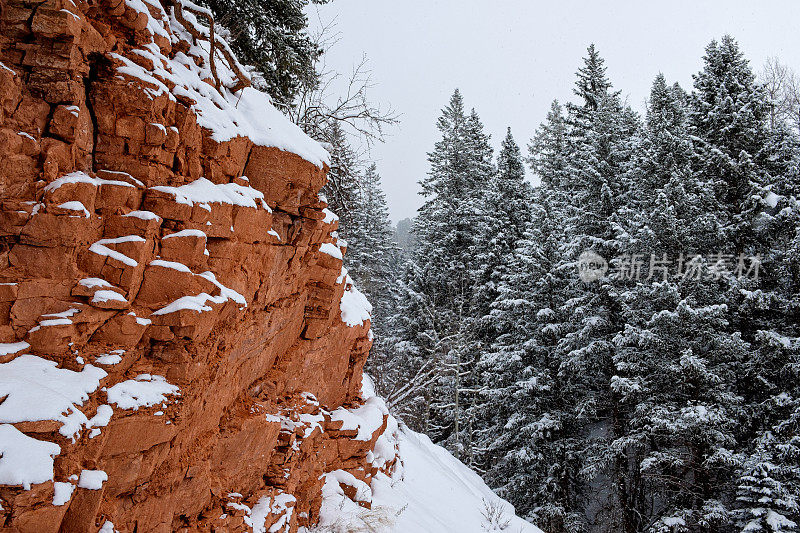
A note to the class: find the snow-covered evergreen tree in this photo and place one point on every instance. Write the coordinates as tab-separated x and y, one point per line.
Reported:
525	452
729	112
375	263
532	443
443	271
506	213
273	38
343	186
768	491
592	84
601	138
558	374
371	250
750	166
677	358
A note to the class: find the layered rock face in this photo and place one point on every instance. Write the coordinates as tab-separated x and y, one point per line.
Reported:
180	347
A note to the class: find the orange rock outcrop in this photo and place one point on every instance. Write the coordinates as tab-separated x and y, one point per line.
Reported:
136	239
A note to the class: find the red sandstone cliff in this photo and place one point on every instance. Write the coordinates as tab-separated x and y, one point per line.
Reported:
173	350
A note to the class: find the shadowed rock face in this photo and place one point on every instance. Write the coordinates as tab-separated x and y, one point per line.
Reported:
131	242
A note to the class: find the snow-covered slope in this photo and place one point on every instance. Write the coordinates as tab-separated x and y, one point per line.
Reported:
429	491
442	494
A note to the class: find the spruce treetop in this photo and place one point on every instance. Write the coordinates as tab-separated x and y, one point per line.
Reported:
662	108
509	160
548	148
592	84
454	112
730	108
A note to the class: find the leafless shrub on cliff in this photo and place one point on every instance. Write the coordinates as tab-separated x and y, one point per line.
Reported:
494	515
334	97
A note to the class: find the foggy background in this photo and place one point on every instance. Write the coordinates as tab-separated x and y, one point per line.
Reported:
511	58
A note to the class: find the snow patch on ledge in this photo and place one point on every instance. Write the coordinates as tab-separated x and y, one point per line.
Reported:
205	192
354	306
224	291
82	177
92	479
108	527
189	303
111	358
186	233
4	67
102	296
76	206
180	267
36	389
366	419
62	492
281	504
330	216
101	249
200	302
144	391
24	460
143	215
91	283
330	249
8	348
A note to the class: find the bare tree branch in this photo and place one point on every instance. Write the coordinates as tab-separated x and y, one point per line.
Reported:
782	86
332	97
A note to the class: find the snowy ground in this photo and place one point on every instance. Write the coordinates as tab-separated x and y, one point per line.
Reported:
430	491
441	493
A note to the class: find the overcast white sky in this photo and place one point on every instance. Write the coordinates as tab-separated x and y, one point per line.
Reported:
511	58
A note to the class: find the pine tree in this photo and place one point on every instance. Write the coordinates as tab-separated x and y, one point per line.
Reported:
592	85
442	280
373	260
532	441
443	272
370	245
272	37
506	213
343	186
601	137
729	114
677	357
521	416
768	491
548	151
769	480
568	354
750	166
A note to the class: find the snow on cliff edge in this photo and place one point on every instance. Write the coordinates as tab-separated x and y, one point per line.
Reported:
247	112
429	491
